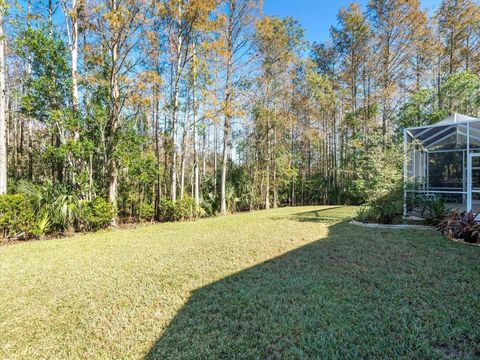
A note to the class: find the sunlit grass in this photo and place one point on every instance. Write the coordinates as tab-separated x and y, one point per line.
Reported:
291	282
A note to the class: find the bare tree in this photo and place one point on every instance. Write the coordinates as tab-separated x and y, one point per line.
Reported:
182	19
240	19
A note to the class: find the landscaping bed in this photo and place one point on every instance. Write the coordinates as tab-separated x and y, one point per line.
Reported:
405	225
461	227
386	212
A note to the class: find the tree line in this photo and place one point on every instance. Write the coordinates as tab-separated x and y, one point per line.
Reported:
136	101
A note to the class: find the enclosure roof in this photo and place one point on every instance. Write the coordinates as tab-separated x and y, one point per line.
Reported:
456	117
450	120
450	133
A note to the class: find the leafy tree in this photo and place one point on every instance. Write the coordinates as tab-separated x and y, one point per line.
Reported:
48	96
461	93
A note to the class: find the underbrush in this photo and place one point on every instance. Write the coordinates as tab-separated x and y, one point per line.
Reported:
180	210
24	216
36	211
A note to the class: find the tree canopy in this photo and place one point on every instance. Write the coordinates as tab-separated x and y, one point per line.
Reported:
138	101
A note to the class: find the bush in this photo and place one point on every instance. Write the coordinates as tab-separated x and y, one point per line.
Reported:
387	208
54	204
436	210
37	212
167	210
210	203
20	217
96	214
17	218
363	214
146	212
383	165
187	209
183	209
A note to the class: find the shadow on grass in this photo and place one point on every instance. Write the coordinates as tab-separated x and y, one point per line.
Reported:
320	215
349	295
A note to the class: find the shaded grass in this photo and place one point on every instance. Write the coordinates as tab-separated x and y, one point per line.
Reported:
286	283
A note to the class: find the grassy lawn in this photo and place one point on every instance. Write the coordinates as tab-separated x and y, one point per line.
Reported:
287	283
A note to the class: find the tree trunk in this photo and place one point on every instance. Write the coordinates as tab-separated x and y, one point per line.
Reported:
16	140
226	139
292	162
173	166
156	122
215	158
113	119
183	155
228	110
204	149
175	94
196	186
274	175
90	176
173	193
30	121
74	55
3	134
267	180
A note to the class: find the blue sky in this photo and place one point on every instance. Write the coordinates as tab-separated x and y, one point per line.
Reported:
317	16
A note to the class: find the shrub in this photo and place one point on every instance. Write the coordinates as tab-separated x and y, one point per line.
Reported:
64	212
17	218
146	212
363	214
42	225
387	208
436	210
384	168
187	209
382	189
53	202
210	203
167	210
96	214
183	209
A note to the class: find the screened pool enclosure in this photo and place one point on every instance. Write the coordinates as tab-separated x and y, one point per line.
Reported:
442	161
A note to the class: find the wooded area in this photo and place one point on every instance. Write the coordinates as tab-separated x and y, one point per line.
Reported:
137	102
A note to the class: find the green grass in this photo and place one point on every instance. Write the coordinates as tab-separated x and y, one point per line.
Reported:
287	283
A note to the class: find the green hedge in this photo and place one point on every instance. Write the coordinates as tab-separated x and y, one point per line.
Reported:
17	219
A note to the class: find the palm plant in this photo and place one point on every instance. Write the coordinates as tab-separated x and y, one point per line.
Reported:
231	198
210	203
56	209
